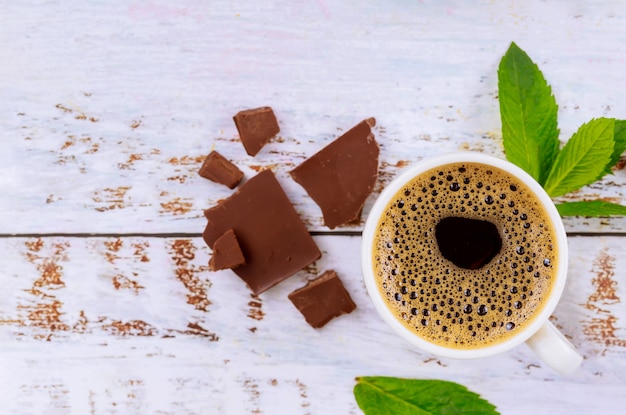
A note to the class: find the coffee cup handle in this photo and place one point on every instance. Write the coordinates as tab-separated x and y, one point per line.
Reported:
554	349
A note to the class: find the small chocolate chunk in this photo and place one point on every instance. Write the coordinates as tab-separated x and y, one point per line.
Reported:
272	237
226	252
220	170
342	175
322	299
256	127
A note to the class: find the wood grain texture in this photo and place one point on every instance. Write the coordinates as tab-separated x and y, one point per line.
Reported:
138	325
109	109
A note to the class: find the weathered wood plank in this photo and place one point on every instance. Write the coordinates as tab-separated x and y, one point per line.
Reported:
138	325
108	109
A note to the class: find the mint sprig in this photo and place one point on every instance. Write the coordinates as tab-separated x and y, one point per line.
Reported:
380	395
528	112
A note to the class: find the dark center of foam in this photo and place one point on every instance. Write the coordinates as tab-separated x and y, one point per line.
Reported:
468	243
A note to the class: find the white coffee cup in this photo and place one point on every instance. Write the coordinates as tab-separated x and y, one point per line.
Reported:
539	333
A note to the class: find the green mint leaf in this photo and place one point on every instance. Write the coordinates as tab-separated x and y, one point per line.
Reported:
592	209
528	112
583	158
619	136
379	395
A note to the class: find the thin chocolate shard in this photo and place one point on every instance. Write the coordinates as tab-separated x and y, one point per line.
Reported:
272	237
342	175
220	170
226	252
322	299
256	127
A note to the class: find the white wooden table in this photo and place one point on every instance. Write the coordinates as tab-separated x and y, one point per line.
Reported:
108	108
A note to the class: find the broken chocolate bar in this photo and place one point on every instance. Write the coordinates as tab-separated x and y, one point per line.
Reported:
322	299
220	170
226	252
342	175
256	127
272	237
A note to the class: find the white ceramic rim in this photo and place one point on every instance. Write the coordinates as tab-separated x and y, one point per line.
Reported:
377	297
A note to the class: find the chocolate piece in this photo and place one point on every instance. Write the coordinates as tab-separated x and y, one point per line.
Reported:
256	127
322	299
272	237
220	170
342	175
226	252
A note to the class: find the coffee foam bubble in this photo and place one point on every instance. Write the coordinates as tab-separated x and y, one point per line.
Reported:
444	303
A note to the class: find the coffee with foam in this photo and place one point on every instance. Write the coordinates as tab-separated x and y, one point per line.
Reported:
465	255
